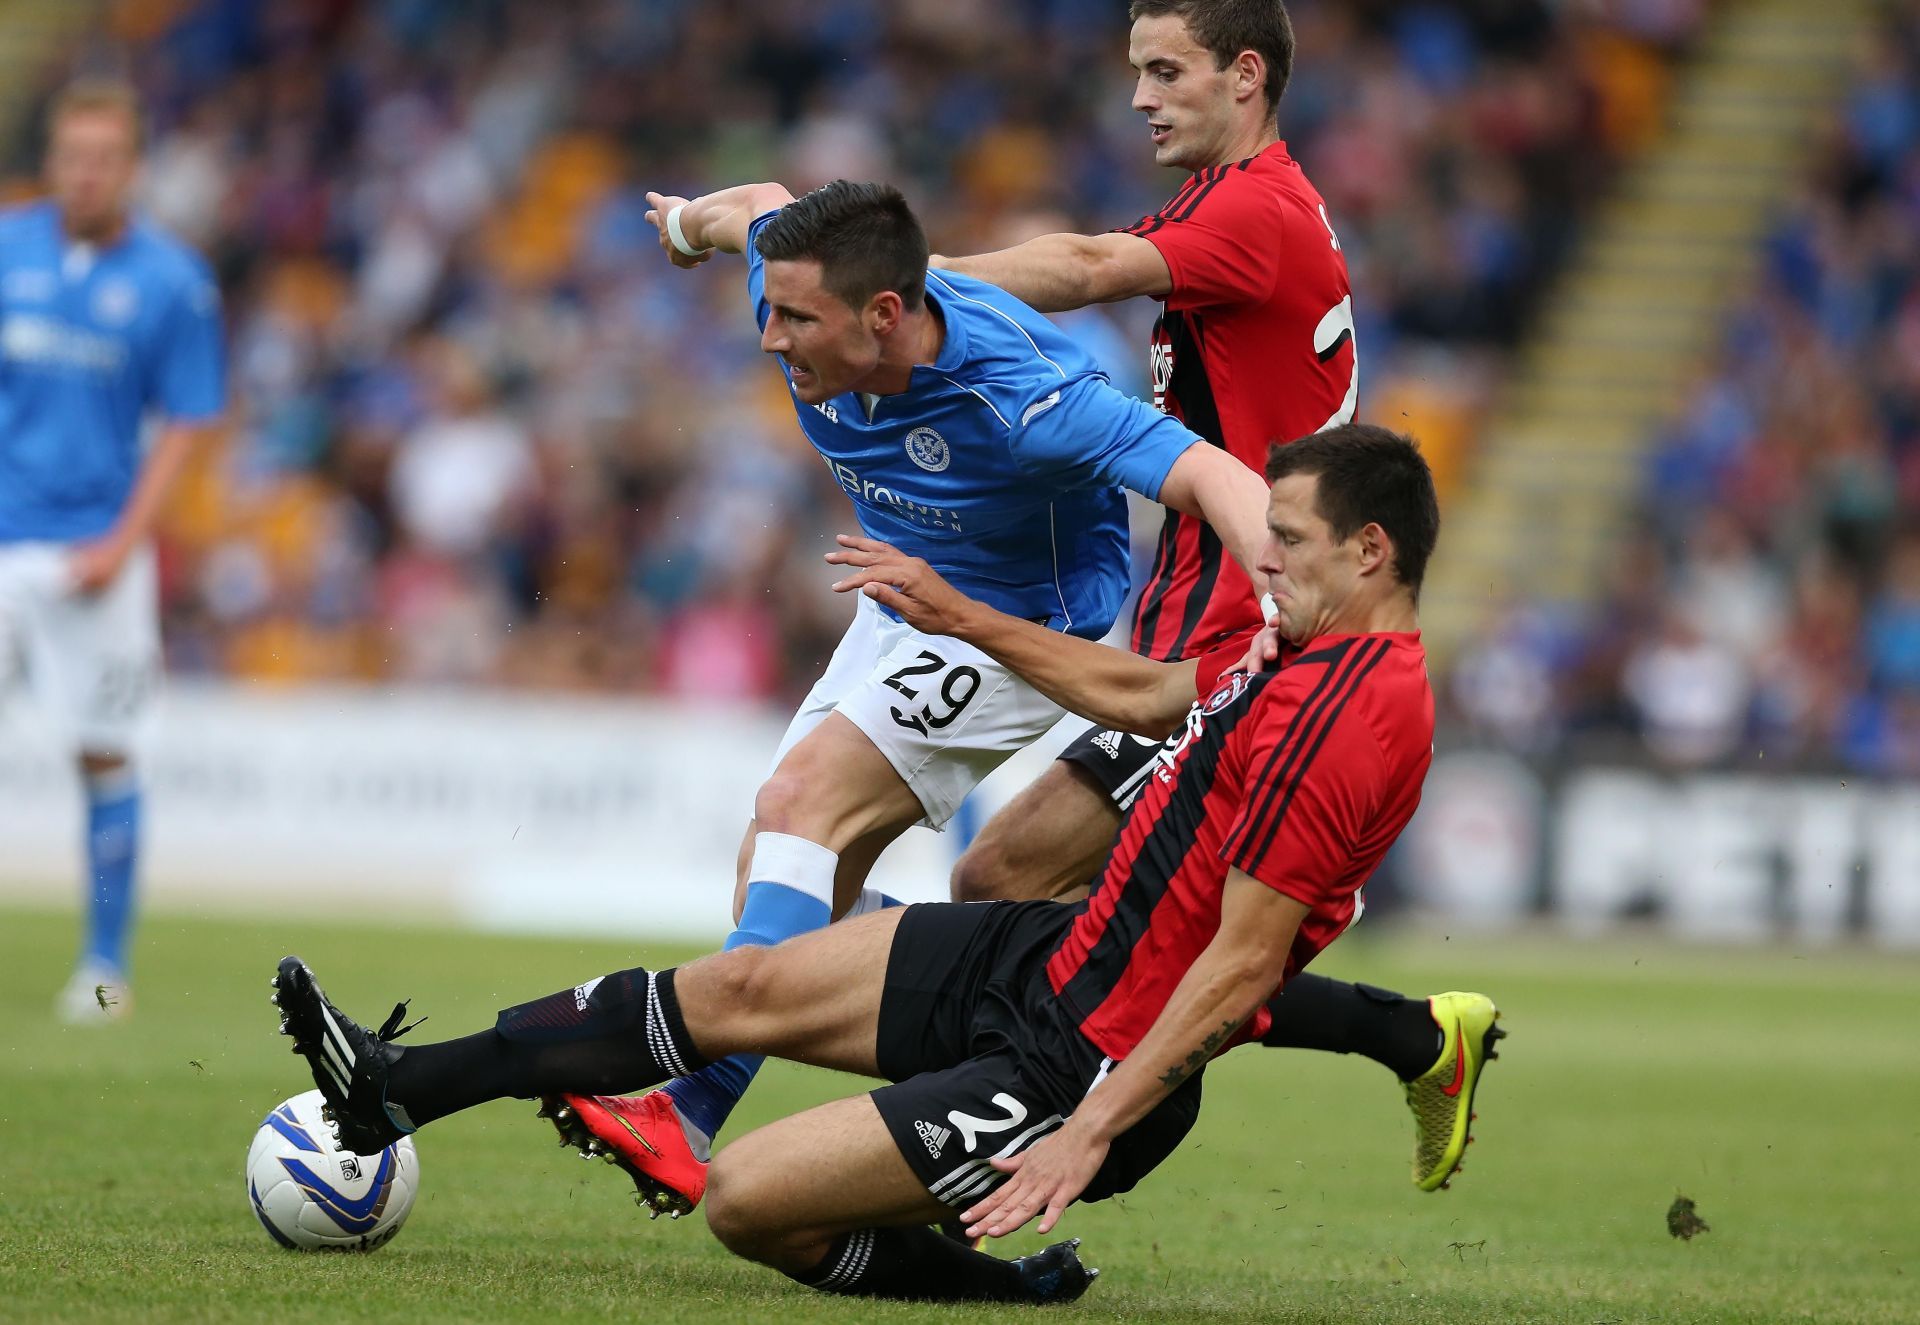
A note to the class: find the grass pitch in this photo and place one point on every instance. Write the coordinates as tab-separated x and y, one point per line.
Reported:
1780	1091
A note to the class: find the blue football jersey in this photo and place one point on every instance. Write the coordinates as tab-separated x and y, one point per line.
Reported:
1002	463
91	340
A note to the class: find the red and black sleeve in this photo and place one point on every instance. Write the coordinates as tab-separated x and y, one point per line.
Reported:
1221	237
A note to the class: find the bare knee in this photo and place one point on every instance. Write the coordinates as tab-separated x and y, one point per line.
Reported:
780	806
738	981
1014	867
984	873
730	1210
1050	840
744	1217
834	788
730	1001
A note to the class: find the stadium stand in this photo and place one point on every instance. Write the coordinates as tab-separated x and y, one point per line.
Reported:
487	436
1765	601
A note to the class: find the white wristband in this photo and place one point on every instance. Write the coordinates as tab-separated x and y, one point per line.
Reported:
679	238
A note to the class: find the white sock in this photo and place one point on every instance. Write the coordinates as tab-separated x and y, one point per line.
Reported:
794	862
869	901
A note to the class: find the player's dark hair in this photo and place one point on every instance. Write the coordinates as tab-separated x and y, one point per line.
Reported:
1227	27
1368	475
864	236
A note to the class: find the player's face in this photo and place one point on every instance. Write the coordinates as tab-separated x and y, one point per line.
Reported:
826	346
1309	574
92	157
1188	103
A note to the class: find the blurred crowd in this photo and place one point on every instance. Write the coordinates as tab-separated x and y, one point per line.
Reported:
1769	610
484	434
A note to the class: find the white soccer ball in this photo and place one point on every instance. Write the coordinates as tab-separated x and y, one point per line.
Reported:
311	1195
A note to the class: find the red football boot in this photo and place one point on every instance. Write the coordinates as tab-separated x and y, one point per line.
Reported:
643	1135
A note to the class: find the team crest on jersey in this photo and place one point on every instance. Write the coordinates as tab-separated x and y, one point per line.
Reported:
1229	689
115	303
928	449
1160	366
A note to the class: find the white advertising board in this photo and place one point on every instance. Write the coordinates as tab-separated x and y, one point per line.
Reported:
1716	856
484	808
605	816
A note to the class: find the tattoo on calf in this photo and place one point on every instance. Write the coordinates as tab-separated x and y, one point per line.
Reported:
1179	1072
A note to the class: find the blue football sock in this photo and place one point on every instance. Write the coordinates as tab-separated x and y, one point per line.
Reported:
113	842
791	893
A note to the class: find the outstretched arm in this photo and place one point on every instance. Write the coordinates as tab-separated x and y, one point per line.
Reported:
1056	272
1087	432
1207	482
1225	985
717	220
1111	686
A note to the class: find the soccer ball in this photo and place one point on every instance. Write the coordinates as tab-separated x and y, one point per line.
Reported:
311	1195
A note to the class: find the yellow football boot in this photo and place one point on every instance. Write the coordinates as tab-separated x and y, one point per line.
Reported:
1442	1097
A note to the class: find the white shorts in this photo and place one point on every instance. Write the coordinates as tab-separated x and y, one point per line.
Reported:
943	713
92	663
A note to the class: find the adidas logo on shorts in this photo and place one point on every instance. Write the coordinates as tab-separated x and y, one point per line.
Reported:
934	1135
1108	741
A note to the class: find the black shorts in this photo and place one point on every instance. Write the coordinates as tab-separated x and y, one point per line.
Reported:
1119	761
986	1059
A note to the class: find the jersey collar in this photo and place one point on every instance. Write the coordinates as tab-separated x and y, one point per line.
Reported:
1320	642
954	342
57	229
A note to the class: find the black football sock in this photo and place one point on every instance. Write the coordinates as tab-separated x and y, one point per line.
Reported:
610	1036
915	1264
1317	1012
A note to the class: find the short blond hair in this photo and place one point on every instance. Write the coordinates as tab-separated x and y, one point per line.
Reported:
98	92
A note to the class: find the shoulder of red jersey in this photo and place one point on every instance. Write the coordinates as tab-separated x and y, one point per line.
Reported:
1268	182
1332	671
1216	195
1224	234
1336	748
1216	684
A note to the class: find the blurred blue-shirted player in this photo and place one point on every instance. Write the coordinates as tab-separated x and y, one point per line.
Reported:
966	430
106	325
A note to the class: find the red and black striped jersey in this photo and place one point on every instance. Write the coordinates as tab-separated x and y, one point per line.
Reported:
1301	777
1255	346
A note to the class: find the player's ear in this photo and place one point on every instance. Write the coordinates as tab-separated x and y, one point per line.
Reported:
1376	549
1249	74
883	312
